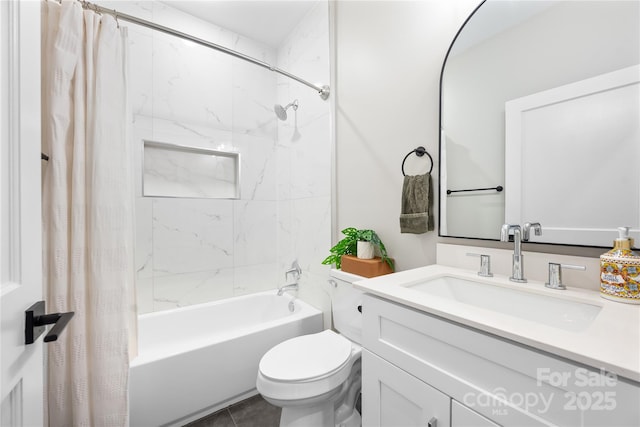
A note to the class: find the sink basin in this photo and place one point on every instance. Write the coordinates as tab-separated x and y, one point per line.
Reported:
557	312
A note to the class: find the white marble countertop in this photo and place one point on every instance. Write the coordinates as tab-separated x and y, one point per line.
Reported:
611	341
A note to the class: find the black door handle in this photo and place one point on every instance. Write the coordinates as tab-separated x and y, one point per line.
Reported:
35	321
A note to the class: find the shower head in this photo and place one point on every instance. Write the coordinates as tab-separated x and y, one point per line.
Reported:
281	111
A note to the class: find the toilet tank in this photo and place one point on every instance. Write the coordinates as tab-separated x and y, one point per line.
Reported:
346	304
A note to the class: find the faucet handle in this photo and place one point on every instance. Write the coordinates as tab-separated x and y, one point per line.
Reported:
555	274
485	264
295	270
537	229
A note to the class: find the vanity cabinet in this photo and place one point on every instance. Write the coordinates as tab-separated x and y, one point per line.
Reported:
418	366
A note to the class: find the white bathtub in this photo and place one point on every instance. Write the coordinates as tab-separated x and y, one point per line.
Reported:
198	359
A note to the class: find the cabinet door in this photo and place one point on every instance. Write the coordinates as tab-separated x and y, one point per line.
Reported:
461	416
393	398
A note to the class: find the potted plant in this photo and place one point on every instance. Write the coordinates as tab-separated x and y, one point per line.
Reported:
349	246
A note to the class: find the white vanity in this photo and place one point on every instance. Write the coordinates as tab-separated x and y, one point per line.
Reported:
444	347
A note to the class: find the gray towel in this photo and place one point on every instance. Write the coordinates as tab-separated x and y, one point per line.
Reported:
417	204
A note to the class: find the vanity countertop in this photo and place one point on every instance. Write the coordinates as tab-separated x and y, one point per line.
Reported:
611	341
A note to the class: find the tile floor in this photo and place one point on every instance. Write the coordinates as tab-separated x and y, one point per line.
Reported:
252	412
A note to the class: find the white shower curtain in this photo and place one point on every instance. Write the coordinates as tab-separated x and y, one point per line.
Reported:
87	215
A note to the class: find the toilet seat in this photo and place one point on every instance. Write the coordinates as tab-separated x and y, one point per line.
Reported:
306	357
306	367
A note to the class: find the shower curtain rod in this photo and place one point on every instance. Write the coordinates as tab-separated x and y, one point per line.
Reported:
323	91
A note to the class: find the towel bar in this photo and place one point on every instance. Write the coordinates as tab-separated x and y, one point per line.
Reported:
499	188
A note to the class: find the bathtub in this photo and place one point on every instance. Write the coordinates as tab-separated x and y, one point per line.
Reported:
195	360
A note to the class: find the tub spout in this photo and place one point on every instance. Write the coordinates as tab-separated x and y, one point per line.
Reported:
291	287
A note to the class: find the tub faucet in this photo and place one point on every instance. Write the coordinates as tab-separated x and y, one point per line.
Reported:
285	288
517	269
295	270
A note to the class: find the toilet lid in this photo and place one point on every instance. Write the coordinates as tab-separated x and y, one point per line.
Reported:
306	357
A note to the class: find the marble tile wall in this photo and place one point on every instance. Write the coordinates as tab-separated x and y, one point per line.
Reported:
192	250
304	156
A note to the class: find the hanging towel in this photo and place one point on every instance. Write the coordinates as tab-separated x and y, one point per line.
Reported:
416	215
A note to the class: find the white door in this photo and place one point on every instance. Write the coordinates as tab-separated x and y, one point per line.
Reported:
21	366
392	397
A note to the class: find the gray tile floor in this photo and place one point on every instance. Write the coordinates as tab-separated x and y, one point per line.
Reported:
252	412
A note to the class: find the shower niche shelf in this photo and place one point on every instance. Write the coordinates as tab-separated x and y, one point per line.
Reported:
172	170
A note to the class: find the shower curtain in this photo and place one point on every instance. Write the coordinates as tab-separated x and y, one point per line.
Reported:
87	215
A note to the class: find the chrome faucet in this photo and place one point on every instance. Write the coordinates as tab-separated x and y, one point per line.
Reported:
285	288
485	264
526	230
295	270
517	269
555	274
519	235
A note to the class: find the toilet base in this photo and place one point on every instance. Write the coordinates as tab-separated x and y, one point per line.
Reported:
320	416
354	420
316	411
335	408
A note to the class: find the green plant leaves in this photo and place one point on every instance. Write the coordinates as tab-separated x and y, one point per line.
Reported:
366	235
348	246
350	232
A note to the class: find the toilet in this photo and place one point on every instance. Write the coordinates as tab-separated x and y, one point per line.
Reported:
316	378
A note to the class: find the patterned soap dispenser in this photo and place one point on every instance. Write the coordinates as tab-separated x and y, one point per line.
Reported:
620	271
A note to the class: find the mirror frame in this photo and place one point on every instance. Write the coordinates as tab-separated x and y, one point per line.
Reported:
440	168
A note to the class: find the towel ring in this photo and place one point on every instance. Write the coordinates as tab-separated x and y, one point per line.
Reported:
420	151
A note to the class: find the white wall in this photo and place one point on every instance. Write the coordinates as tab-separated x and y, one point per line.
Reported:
388	60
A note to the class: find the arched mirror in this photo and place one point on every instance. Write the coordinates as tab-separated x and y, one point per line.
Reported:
540	112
